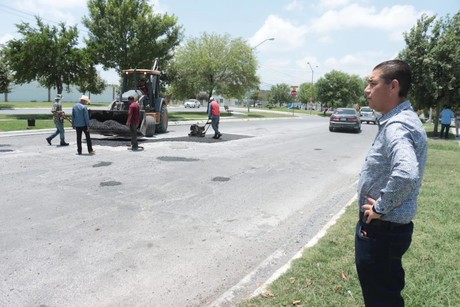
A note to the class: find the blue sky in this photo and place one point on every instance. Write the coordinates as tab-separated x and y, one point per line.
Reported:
347	35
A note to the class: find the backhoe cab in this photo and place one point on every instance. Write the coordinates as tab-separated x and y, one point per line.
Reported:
144	86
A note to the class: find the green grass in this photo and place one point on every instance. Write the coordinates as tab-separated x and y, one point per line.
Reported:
20	122
325	275
42	121
40	104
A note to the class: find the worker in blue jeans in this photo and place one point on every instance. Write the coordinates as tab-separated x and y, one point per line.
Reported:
58	118
214	116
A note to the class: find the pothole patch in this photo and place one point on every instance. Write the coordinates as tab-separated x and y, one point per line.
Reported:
110	183
100	164
6	149
221	179
177	159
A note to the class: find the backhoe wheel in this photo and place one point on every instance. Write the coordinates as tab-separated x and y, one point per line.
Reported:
149	126
162	127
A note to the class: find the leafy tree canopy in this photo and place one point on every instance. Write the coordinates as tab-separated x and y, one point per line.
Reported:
306	92
6	77
279	94
47	54
339	89
128	34
432	51
213	63
94	85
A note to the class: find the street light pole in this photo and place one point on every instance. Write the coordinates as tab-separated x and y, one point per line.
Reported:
267	39
312	73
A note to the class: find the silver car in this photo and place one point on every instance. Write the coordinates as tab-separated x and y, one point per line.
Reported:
345	118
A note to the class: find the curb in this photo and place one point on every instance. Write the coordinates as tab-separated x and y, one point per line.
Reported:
226	298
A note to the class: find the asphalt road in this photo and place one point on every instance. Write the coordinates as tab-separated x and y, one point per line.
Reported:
178	224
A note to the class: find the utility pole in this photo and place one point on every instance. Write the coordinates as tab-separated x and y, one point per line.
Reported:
267	39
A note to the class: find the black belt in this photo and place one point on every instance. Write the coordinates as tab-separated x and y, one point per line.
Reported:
380	223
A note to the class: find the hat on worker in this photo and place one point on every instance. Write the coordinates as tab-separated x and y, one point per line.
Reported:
85	98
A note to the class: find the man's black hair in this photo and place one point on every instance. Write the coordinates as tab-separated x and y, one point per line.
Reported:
399	70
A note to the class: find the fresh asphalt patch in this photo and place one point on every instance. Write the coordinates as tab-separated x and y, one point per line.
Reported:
120	141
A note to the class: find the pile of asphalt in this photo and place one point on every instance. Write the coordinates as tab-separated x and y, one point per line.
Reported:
108	127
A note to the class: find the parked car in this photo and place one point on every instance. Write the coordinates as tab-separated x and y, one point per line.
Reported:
294	105
192	104
368	115
345	118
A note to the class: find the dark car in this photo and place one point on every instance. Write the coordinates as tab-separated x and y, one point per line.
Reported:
345	118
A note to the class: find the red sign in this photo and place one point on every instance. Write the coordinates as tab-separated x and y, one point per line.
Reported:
294	93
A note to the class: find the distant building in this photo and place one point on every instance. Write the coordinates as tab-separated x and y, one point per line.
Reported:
34	92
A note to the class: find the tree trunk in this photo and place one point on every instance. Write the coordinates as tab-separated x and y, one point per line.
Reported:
6	96
436	119
49	94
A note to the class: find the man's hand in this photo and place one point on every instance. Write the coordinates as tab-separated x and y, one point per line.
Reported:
368	212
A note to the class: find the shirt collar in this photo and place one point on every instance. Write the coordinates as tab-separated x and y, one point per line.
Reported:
406	105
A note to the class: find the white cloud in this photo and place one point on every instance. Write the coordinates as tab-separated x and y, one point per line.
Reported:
295	6
52	10
48	5
5	38
395	19
287	35
332	4
325	40
360	63
159	7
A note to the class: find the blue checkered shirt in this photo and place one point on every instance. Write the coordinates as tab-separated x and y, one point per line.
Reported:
394	167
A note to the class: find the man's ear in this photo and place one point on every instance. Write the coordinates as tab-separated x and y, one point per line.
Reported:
395	86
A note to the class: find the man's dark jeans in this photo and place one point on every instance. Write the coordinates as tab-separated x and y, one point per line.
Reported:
446	127
133	132
87	136
379	247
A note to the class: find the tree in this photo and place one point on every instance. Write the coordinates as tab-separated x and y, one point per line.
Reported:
305	92
254	96
263	95
46	54
433	54
417	55
279	94
128	34
213	63
6	77
92	85
338	89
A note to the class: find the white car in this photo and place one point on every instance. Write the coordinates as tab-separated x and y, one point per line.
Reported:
192	104
368	115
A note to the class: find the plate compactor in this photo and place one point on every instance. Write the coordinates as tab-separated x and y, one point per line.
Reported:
197	130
